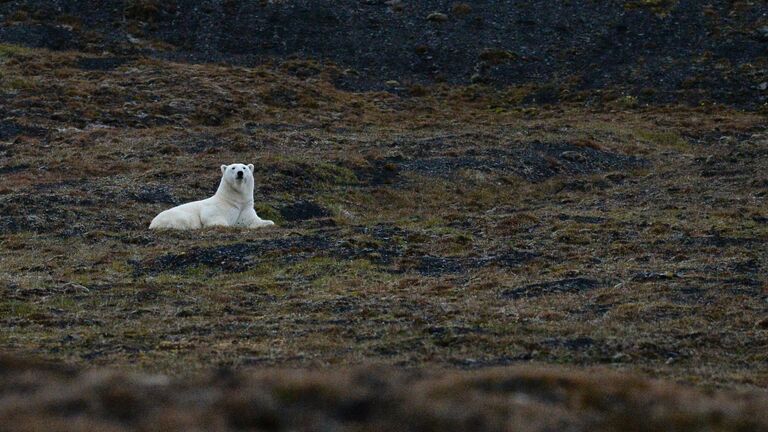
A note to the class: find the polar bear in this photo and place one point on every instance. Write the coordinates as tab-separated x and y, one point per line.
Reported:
231	205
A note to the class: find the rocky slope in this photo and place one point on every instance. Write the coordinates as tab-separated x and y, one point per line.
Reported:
668	51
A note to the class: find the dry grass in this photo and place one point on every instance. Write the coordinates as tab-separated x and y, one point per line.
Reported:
425	232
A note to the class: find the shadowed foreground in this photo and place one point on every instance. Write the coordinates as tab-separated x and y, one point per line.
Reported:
48	397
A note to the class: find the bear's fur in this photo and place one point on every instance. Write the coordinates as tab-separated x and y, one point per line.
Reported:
231	206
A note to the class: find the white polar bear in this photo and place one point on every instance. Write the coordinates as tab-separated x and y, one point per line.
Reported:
232	205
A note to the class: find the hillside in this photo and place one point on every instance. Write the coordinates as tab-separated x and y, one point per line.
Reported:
570	263
668	51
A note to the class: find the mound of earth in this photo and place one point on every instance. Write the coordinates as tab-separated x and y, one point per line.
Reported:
35	396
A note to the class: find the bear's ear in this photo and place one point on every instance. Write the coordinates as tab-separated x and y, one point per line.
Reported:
223	168
250	167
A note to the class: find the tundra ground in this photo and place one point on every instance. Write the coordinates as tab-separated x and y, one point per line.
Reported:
446	230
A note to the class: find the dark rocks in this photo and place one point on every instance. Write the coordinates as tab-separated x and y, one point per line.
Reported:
720	241
100	63
461	9
380	249
236	257
582	219
253	127
301	69
577	343
281	97
573	156
496	56
13	168
430	265
477	78
437	17
435	265
178	106
45	35
154	195
303	210
448	166
652	276
69	288
761	34
571	285
378	172
10	129
534	162
539	160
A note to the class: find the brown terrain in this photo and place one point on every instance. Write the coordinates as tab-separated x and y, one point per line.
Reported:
450	254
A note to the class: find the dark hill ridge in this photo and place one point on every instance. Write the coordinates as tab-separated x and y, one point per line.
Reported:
661	51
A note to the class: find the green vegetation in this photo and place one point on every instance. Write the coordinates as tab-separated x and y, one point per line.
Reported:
8	51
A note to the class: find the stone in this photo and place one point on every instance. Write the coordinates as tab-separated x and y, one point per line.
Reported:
437	17
573	156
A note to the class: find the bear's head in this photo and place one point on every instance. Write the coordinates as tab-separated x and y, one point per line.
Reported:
238	176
